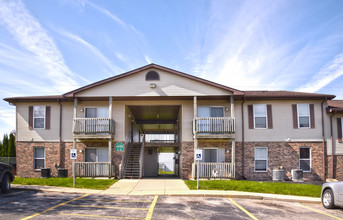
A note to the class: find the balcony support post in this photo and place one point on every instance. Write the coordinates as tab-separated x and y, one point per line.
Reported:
110	157
110	139
233	153
195	108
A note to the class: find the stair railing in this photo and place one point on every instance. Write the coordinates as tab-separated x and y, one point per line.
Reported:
125	159
141	159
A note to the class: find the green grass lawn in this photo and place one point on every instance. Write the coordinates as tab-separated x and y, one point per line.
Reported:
260	187
165	172
67	182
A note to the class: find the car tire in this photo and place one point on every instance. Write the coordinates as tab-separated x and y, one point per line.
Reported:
328	199
6	184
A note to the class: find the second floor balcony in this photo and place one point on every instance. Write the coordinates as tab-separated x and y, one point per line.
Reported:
214	127
93	127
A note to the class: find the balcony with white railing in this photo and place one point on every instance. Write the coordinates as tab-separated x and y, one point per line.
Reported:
94	169
93	127
214	127
214	170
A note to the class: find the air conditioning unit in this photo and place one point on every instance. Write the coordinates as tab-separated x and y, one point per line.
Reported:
278	175
297	175
215	172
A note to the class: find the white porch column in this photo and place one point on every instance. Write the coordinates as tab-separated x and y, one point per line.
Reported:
110	139
232	107
75	111
233	150
110	107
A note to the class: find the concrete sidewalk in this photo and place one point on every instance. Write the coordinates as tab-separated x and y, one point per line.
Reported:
169	187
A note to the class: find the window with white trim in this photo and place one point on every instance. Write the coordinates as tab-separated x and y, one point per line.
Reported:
261	159
260	115
39	117
213	155
96	155
305	159
39	158
303	115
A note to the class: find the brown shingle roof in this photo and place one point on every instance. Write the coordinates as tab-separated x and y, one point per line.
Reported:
238	94
36	98
285	95
335	106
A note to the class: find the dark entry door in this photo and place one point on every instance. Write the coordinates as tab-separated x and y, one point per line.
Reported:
150	162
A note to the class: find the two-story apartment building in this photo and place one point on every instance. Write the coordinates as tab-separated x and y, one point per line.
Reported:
154	109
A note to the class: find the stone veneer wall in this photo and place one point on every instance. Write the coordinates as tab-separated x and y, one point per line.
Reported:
188	153
337	167
54	154
25	158
187	157
284	154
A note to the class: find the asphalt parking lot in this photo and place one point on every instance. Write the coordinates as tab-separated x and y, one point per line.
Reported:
50	205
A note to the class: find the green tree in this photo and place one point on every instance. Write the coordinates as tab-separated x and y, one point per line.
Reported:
5	146
11	146
1	148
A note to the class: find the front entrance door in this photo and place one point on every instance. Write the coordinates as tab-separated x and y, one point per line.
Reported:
150	162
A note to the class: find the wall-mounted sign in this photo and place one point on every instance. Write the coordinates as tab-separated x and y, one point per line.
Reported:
198	154
73	154
119	146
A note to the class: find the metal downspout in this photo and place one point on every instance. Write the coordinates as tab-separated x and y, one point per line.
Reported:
242	109
323	136
331	133
60	134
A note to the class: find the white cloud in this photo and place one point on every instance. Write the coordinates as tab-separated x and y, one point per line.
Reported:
331	71
92	48
115	18
29	33
147	59
7	120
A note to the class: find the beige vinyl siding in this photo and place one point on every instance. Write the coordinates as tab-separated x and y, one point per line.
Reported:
67	122
337	147
282	123
25	134
168	85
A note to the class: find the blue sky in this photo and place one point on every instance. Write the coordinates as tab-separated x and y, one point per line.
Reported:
51	47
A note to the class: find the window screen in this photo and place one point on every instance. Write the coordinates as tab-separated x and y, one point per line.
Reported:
305	159
39	158
261	158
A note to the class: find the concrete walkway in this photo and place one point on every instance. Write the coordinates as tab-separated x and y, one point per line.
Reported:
170	187
164	186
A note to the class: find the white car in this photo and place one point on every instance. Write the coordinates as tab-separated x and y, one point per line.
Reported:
332	195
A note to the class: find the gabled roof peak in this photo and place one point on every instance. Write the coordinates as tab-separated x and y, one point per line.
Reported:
158	67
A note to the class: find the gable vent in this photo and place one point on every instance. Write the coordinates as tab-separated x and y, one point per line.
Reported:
152	75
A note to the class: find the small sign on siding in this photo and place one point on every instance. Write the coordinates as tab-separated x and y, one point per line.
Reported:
119	146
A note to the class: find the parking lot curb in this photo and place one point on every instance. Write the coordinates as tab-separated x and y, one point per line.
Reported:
194	193
54	189
248	197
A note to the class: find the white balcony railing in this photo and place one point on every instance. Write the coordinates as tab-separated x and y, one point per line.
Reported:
93	126
94	169
215	170
214	125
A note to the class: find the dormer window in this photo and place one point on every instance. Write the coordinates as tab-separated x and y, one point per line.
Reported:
152	75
